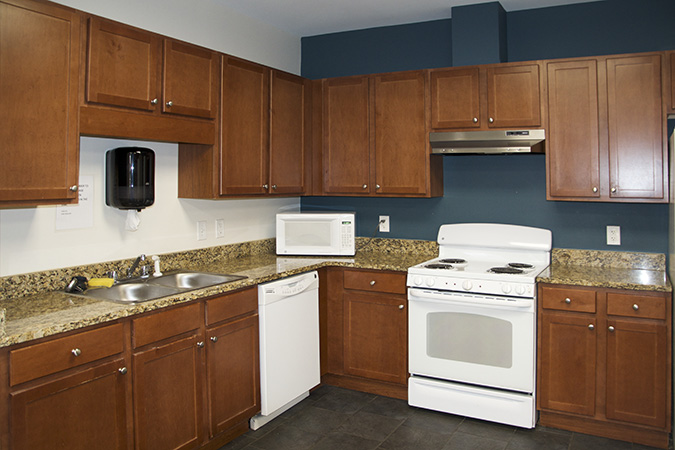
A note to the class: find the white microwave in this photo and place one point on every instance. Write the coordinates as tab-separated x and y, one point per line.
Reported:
316	234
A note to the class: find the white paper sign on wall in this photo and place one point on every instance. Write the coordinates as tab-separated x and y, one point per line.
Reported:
69	217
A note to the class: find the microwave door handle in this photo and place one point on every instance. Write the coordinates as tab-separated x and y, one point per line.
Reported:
441	298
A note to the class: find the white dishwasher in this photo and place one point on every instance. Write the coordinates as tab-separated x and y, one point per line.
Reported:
288	311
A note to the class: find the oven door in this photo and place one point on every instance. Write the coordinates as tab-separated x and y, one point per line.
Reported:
482	340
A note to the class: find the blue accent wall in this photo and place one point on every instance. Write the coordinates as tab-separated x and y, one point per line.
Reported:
479	34
503	188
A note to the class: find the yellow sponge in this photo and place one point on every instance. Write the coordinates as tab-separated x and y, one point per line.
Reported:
101	282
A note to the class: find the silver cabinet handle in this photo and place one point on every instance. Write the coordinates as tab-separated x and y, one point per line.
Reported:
591	326
266	186
365	186
76	352
122	370
214	338
611	328
73	188
401	306
595	189
475	120
372	283
377	186
274	186
635	307
200	344
613	190
491	120
169	103
568	300
154	101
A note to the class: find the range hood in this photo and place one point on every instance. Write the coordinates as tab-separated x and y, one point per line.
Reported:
487	142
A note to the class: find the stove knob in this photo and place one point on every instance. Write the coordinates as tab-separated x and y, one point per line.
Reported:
520	289
417	281
506	288
467	285
430	281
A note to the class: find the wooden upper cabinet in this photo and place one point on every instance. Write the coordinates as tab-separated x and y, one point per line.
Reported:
573	142
455	98
346	134
245	128
289	134
606	134
400	150
123	65
39	85
670	93
637	148
191	80
485	97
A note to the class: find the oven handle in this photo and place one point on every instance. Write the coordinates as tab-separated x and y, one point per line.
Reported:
441	298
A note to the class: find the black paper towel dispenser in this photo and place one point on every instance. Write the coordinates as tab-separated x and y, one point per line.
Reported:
130	177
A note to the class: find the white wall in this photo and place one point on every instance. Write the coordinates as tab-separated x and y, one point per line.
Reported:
28	239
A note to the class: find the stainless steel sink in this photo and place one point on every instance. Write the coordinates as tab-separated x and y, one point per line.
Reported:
146	289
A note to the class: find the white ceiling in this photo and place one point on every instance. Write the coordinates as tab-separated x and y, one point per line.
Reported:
313	17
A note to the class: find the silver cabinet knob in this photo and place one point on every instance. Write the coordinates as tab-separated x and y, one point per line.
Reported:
76	352
365	186
122	370
595	189
475	120
591	326
214	338
610	328
266	186
200	344
568	300
377	186
73	188
635	307
613	190
372	283
274	186
169	103
154	101
491	120
401	306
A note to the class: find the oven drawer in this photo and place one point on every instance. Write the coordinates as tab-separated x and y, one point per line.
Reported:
566	299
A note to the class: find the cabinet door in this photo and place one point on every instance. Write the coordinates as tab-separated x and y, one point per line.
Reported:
513	96
346	148
573	146
288	134
123	66
455	98
376	336
167	396
567	363
400	147
191	80
244	144
84	410
39	82
671	99
635	118
233	373
637	372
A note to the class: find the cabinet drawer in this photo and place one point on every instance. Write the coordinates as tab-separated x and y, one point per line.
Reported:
631	305
165	324
366	280
231	305
35	361
565	299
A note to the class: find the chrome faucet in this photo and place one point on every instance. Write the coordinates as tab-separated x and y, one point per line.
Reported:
134	266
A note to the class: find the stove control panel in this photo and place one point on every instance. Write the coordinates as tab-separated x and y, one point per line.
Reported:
513	288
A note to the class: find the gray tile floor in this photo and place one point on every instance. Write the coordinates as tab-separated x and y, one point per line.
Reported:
342	419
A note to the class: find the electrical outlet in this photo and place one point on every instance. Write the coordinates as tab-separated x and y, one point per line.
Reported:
384	224
220	228
201	230
613	235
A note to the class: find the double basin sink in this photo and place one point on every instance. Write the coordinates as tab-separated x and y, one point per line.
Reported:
145	289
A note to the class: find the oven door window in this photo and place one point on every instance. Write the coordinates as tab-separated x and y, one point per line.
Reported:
470	338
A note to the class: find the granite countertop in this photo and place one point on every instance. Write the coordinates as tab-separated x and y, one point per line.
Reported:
48	313
619	270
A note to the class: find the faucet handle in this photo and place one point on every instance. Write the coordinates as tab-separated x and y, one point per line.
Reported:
145	272
111	274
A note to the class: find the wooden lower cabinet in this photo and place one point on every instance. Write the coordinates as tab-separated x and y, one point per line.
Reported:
83	410
604	362
364	331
